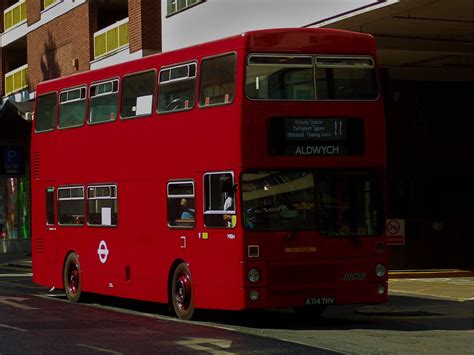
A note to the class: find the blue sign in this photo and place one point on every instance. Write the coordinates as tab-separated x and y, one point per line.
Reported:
12	162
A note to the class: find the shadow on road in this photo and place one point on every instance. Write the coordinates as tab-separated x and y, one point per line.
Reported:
401	313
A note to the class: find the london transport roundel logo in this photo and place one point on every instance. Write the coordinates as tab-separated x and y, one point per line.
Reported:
103	252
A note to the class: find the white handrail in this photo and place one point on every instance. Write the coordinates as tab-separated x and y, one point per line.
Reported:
8	9
108	28
14	71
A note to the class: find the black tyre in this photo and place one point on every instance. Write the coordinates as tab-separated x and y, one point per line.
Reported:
182	297
72	278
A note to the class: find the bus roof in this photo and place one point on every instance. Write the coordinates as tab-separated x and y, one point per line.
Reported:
288	40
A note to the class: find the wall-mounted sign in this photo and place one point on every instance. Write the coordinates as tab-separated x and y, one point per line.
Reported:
395	231
11	161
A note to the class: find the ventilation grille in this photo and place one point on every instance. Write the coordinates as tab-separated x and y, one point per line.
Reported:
302	274
38	245
36	165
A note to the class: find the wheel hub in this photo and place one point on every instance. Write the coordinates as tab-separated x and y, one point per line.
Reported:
183	291
73	279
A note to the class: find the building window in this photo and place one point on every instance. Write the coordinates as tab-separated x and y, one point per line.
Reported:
181	204
177	88
103	101
16	80
217	80
219	200
72	108
175	6
137	94
45	113
102	204
50	216
111	38
14	15
71	205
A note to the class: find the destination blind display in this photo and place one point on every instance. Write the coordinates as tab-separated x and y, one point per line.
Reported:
316	136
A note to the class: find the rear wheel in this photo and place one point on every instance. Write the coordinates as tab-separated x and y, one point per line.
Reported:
182	296
72	278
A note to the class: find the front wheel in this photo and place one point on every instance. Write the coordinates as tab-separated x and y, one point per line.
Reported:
182	296
72	278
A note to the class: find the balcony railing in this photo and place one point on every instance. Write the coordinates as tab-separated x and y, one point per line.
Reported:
48	3
14	15
111	38
16	80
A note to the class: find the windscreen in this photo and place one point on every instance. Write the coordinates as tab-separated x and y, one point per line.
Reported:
335	203
307	78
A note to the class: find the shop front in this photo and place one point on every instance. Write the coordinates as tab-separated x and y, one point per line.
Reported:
15	236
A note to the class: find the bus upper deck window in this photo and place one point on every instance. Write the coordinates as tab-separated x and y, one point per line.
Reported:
279	77
103	101
137	94
177	88
305	77
345	78
45	115
72	107
217	80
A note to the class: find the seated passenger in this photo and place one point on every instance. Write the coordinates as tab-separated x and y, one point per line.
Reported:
186	211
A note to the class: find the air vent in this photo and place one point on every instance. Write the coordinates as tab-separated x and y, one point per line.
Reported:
36	165
38	245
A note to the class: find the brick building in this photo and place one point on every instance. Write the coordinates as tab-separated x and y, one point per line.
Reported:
46	39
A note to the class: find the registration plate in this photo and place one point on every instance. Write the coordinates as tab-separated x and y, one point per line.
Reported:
320	301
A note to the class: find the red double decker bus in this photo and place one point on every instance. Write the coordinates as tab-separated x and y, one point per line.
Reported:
244	173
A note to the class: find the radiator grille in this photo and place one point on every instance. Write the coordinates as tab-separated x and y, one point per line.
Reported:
307	292
303	274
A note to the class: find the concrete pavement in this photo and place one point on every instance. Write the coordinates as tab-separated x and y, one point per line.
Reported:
15	260
433	273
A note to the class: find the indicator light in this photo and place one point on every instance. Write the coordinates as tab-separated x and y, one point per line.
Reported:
253	251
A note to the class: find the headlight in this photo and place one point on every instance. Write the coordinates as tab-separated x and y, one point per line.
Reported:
380	289
253	275
254	295
380	270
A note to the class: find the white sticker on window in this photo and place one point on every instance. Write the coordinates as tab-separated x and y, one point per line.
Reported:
106	216
144	104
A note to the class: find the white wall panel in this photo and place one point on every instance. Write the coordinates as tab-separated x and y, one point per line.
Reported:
215	19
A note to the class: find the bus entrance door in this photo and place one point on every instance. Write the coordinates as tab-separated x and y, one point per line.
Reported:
45	244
